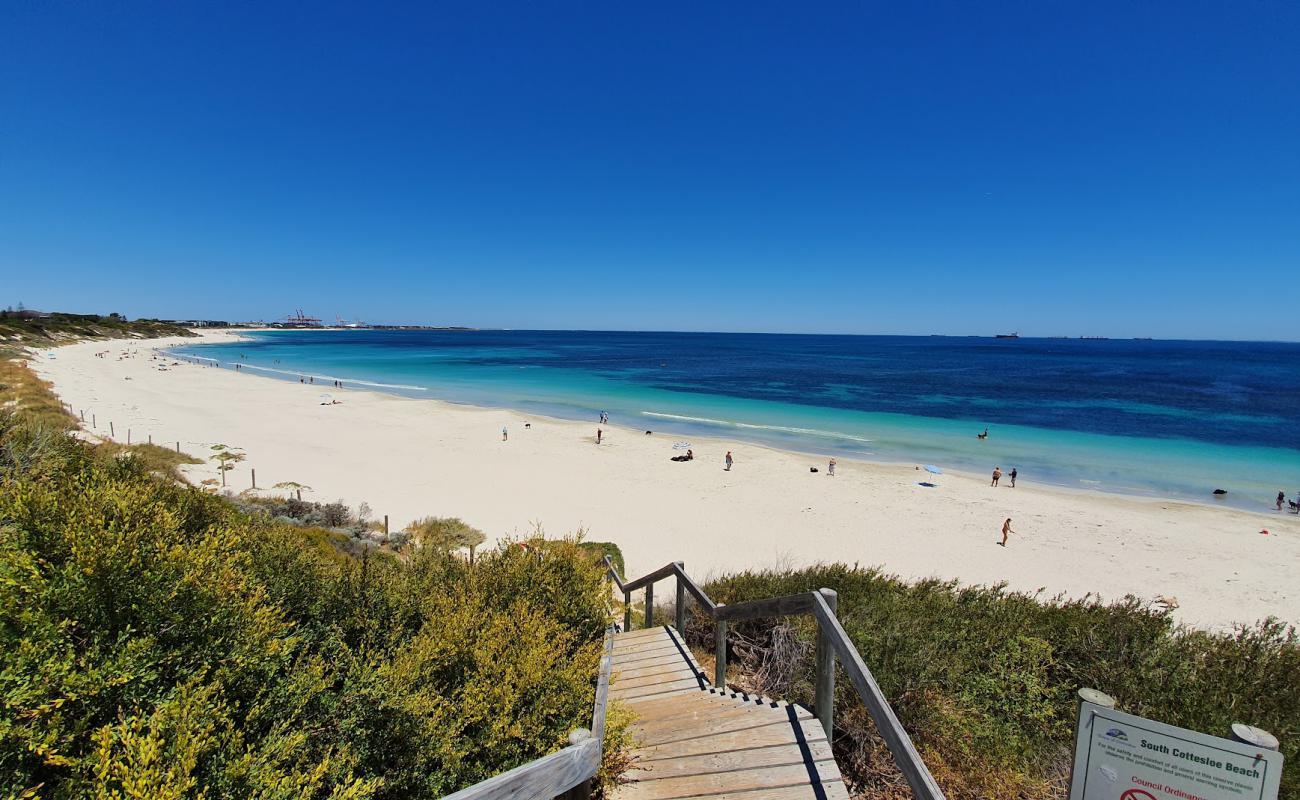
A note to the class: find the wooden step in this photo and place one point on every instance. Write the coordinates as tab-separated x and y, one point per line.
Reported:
695	740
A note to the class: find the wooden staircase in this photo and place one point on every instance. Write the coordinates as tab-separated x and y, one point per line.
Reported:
695	740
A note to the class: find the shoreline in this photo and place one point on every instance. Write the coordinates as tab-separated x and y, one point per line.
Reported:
408	457
720	431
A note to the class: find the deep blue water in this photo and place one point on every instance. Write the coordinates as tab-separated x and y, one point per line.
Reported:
1166	417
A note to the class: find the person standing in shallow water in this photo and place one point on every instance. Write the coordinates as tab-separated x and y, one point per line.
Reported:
1281	498
730	461
1006	529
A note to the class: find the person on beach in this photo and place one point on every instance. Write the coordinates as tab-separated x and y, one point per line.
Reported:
505	434
997	475
1013	477
731	461
830	468
1281	498
1006	529
598	435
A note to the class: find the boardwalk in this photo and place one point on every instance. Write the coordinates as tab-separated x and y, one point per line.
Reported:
700	742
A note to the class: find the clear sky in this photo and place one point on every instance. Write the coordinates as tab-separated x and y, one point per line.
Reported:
1101	168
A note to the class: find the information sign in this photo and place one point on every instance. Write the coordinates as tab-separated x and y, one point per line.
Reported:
1120	756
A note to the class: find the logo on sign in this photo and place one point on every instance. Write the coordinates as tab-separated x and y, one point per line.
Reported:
1117	734
1137	794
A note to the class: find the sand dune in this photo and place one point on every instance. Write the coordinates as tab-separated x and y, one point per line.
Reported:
409	458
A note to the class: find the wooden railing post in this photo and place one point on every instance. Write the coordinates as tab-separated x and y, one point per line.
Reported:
681	600
650	605
720	654
627	611
583	790
824	696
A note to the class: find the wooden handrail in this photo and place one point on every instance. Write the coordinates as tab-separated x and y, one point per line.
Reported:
833	644
567	772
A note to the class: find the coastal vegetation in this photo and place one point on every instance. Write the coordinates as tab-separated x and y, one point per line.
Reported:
985	679
42	329
158	641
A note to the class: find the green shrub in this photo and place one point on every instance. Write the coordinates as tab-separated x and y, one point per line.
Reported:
156	641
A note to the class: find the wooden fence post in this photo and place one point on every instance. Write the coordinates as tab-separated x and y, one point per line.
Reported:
650	605
1095	697
128	436
94	421
111	432
681	600
178	447
254	474
824	694
720	654
385	520
83	415
627	611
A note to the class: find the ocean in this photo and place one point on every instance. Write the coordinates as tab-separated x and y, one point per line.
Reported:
1172	419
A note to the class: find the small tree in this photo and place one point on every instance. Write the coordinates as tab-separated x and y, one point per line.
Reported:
226	459
446	534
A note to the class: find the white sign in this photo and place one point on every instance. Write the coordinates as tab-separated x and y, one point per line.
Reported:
1119	756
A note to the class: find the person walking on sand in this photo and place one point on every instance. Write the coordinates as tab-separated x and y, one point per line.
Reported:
1013	477
830	468
1006	528
1281	498
997	474
505	434
731	461
598	435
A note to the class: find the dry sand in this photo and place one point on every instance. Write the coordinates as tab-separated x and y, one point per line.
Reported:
409	458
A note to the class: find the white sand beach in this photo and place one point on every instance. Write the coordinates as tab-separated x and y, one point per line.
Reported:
408	458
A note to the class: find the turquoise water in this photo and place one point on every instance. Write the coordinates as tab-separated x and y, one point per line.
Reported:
1159	419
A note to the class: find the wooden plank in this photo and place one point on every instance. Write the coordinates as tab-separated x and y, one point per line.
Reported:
738	780
891	730
709	722
624	640
685	740
679	674
693	719
657	633
833	790
654	669
717	701
767	607
658	688
649	659
684	678
640	651
787	753
762	736
542	779
625	655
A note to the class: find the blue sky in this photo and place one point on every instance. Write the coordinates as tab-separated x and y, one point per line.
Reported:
1126	168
